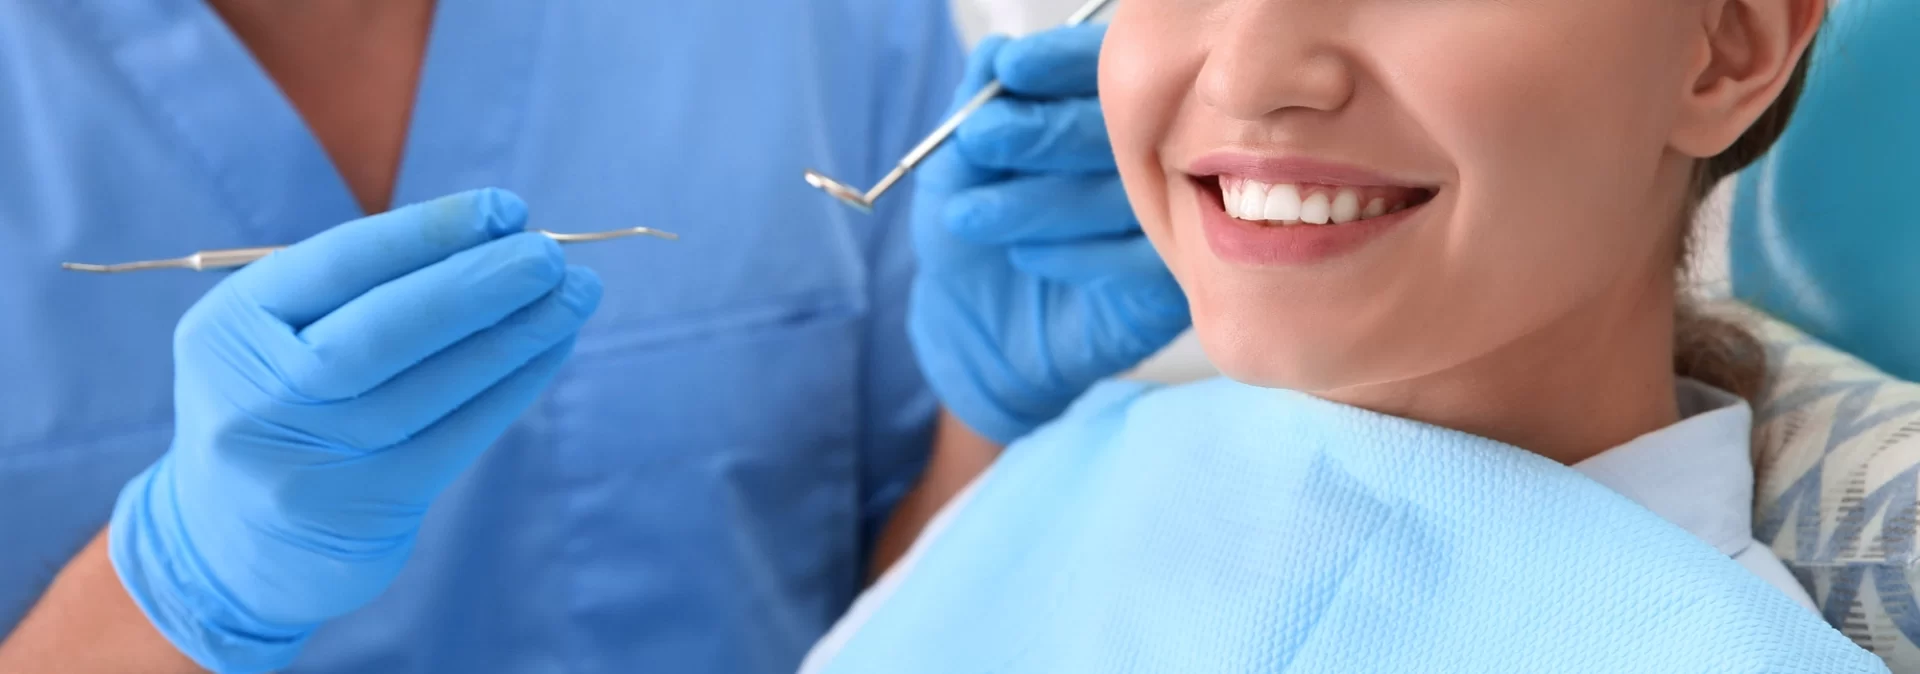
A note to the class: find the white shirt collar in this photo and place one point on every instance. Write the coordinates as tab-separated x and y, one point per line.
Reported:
1697	473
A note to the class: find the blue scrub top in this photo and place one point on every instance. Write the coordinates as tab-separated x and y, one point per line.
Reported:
697	490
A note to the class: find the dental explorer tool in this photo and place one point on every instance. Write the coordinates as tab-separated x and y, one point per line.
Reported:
238	257
864	200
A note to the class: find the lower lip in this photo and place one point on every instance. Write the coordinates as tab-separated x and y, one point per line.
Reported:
1241	242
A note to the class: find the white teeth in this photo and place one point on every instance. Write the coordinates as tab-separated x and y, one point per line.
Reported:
1346	206
1244	200
1283	204
1253	199
1375	208
1316	209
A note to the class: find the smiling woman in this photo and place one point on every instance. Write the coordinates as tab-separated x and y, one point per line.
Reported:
1548	190
1434	248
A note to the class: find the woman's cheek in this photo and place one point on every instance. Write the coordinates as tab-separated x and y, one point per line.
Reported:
1138	96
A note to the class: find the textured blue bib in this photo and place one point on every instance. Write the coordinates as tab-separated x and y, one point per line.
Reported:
1219	527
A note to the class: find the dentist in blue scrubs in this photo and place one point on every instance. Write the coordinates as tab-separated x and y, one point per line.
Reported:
426	440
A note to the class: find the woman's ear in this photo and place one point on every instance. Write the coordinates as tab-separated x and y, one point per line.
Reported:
1749	50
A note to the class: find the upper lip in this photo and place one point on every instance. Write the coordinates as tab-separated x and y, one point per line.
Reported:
1278	170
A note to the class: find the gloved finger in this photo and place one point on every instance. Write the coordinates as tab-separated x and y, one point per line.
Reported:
431	460
1058	63
394	326
1012	134
1145	305
1047	208
946	169
1086	262
418	397
311	278
978	71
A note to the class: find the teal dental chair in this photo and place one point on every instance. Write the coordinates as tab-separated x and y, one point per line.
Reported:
1826	238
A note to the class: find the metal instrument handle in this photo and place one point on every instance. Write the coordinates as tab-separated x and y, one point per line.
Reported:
225	259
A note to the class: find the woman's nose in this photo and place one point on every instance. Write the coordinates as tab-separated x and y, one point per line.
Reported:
1273	55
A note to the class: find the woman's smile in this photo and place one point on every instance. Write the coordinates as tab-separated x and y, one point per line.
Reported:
1270	211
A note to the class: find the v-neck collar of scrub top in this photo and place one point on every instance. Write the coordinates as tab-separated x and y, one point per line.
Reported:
1697	474
204	87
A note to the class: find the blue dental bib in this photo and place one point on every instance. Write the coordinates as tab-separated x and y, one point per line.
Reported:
1219	527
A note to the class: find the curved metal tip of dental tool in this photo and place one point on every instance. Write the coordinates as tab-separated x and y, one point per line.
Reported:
612	234
117	268
852	197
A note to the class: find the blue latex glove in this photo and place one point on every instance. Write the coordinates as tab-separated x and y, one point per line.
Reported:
1035	279
323	397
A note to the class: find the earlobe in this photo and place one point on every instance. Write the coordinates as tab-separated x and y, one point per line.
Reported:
1752	49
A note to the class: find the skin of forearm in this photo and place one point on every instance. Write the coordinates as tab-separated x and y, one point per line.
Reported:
86	624
959	456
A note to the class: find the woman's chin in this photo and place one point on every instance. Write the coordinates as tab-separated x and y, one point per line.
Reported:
1278	361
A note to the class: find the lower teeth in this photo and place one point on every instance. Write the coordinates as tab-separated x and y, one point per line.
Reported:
1293	223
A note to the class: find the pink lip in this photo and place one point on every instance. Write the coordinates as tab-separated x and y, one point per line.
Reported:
1296	170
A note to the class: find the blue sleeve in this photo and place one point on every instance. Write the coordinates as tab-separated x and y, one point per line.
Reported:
923	45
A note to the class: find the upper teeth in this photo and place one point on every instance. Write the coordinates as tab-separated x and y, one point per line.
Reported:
1291	203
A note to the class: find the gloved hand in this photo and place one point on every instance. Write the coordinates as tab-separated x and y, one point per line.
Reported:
323	397
1035	280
